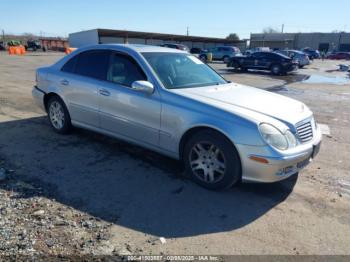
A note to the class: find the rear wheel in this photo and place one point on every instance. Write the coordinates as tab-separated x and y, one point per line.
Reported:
235	65
226	59
212	161
58	115
203	58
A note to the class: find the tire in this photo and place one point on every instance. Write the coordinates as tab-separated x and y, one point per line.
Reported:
235	65
301	66
203	58
58	115
212	161
276	69
226	59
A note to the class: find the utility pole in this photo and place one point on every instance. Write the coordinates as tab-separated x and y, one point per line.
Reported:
282	28
3	36
188	31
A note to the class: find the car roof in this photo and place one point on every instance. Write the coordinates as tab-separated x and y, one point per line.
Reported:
296	51
263	52
124	48
134	47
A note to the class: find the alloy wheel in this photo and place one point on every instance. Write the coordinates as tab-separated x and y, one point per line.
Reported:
207	162
56	113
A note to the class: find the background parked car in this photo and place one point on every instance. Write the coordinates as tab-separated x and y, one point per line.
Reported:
298	56
312	54
33	45
196	50
176	46
276	63
221	53
261	49
340	56
2	46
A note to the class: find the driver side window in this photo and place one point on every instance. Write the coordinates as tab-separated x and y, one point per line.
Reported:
124	70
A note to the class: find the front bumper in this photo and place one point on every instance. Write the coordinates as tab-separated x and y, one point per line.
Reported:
38	96
280	165
290	67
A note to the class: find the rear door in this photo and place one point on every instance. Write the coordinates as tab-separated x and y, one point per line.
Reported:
217	53
252	61
228	51
128	113
80	79
268	59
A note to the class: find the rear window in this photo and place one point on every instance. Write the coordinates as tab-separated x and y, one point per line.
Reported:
69	67
227	49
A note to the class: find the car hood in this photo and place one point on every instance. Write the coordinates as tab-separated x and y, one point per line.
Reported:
234	97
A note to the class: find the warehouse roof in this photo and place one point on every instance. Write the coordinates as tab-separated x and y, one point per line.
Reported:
160	36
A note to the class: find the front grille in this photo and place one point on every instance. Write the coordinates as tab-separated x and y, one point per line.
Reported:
305	132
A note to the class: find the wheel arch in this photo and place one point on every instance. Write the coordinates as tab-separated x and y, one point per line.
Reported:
48	96
274	64
193	130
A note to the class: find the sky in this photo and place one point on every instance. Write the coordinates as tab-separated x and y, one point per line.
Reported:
203	17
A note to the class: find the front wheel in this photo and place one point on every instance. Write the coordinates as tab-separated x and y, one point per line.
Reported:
276	69
212	161
234	65
226	59
203	58
58	115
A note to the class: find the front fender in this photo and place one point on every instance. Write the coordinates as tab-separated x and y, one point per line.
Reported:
182	115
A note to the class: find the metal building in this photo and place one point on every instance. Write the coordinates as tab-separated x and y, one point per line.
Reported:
105	36
321	41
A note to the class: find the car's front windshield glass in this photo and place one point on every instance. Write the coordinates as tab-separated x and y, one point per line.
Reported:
177	70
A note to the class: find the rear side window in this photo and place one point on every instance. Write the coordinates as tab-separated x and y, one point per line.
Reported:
69	67
93	64
124	70
272	56
258	55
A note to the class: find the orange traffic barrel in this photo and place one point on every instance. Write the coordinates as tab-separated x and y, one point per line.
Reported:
23	50
18	50
69	50
11	50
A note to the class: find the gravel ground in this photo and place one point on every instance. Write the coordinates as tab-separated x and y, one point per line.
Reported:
86	194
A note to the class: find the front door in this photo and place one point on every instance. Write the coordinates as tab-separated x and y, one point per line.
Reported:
128	113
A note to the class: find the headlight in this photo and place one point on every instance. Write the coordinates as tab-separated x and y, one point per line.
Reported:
276	138
292	141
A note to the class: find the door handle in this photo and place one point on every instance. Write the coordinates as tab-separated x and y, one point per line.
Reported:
104	92
65	82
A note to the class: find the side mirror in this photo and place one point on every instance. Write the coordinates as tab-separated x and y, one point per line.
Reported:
143	86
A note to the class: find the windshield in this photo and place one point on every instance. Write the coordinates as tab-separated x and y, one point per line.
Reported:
177	70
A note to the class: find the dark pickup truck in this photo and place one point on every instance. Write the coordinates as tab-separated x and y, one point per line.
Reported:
276	63
33	45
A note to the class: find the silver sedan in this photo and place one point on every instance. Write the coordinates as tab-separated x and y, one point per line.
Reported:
170	102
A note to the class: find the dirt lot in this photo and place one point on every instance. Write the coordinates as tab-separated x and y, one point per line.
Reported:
89	194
